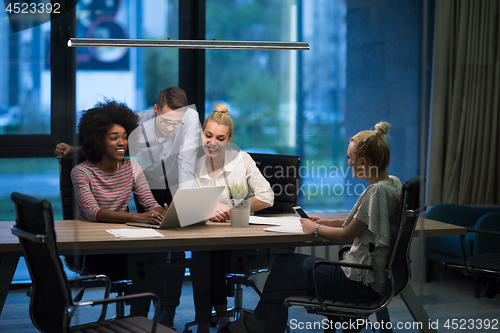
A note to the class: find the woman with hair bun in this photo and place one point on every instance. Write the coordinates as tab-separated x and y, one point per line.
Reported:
221	165
367	227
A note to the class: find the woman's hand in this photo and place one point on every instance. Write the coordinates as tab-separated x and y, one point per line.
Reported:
327	222
163	210
221	213
63	150
320	220
308	226
151	217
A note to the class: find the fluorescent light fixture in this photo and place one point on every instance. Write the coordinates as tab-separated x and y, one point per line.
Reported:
186	44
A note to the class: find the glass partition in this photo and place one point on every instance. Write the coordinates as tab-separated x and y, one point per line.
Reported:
24	79
284	102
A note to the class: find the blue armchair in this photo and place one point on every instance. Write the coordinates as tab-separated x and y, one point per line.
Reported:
438	249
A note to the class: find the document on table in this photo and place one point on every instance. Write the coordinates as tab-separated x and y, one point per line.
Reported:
134	233
279	224
279	220
295	229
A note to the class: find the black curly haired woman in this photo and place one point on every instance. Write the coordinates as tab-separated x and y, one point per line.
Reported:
103	185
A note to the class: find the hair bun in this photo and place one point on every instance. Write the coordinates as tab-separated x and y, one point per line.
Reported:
382	128
220	108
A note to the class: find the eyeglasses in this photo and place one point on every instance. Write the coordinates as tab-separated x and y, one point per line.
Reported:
175	124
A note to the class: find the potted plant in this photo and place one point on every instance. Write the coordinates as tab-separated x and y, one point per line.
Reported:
240	197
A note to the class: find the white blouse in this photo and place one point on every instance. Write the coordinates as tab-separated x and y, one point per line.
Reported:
239	167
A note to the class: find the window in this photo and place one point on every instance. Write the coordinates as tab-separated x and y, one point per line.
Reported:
362	68
133	76
284	102
24	79
37	91
34	176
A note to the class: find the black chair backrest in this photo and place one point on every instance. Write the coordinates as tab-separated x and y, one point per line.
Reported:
51	293
411	204
66	187
282	172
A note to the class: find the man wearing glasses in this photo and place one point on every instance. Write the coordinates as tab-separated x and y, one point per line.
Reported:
167	143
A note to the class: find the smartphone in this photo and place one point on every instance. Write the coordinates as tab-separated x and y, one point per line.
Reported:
300	211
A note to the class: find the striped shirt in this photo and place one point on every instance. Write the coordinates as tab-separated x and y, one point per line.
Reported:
96	189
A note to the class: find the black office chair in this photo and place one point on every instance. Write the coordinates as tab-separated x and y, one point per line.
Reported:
282	172
51	305
83	264
398	267
486	264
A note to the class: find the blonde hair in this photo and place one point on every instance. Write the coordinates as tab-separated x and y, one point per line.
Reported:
373	145
221	116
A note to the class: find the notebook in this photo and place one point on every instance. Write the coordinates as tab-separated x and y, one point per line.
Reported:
189	206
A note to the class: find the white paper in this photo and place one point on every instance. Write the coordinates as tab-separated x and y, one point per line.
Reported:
134	233
285	224
281	220
296	229
262	220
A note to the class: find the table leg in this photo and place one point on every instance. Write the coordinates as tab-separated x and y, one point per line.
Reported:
8	265
417	310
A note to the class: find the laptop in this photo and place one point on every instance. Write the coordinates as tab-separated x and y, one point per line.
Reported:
189	206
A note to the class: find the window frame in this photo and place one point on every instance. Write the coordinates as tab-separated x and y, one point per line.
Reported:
62	116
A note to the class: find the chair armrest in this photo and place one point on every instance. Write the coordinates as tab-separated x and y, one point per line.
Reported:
122	298
333	263
465	257
343	251
91	277
464	250
489	221
484	234
149	295
343	264
107	289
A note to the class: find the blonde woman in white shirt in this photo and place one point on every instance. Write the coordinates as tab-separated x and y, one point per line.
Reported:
221	165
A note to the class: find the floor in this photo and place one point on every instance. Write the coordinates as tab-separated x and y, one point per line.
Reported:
448	299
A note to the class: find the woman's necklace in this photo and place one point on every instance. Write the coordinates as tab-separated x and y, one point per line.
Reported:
104	172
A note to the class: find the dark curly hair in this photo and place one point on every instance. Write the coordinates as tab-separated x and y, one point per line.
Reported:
95	122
